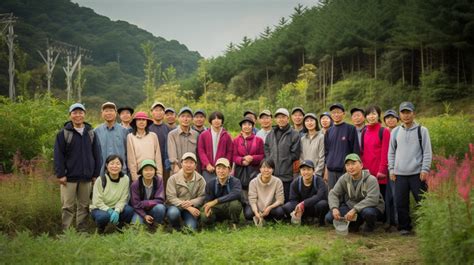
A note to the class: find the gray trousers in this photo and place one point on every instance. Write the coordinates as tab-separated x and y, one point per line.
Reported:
333	177
75	196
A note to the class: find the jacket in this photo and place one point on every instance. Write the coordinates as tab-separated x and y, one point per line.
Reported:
178	191
283	152
180	143
313	149
223	193
113	141
318	193
339	141
81	159
375	151
138	194
365	194
251	145
224	148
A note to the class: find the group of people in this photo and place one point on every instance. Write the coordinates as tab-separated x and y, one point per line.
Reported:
151	170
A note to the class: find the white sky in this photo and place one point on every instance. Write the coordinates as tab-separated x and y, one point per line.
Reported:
206	26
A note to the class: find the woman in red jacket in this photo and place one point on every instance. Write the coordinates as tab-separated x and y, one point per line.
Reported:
247	154
213	144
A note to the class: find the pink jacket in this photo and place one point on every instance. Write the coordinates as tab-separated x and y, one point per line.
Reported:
375	152
251	145
224	148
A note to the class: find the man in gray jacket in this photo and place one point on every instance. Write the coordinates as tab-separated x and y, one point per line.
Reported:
282	145
409	161
356	197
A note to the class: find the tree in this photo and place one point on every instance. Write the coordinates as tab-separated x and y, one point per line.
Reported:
149	86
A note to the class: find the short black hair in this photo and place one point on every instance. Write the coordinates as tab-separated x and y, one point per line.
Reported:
373	108
216	114
110	158
268	162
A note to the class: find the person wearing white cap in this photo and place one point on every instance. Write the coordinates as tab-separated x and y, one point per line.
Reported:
283	147
77	161
265	120
112	136
185	194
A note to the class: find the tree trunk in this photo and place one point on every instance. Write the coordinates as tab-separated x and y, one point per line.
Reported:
352	63
458	72
403	70
422	59
342	70
268	81
332	70
375	63
412	66
358	61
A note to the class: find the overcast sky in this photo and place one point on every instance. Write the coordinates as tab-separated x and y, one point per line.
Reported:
206	26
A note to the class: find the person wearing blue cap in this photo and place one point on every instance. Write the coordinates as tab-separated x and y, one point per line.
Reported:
391	119
77	161
326	121
199	119
409	162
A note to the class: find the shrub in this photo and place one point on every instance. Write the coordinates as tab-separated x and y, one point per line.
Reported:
445	222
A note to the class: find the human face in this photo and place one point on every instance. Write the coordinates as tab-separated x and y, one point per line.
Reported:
125	116
325	122
358	119
170	117
158	113
222	172
297	118
337	115
266	172
77	117
189	166
216	123
354	168
391	122
265	121
199	120
114	167
148	172
407	117
141	124
109	114
247	128
310	124
307	174
185	119
373	117
281	120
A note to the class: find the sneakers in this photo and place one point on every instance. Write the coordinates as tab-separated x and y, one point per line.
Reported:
404	232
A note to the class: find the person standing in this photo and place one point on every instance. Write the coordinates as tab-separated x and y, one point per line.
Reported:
112	136
213	144
251	115
409	162
160	128
182	139
339	141
326	121
265	120
199	119
297	115
391	119
283	147
170	117
77	161
312	143
358	120
125	114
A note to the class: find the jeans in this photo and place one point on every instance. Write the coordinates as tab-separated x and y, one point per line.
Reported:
208	176
222	211
403	186
158	213
175	215
102	218
319	210
275	214
286	190
369	215
390	205
333	177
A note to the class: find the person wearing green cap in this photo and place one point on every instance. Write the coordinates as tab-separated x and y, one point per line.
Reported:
148	195
356	197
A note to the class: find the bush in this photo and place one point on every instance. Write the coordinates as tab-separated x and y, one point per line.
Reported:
445	222
29	127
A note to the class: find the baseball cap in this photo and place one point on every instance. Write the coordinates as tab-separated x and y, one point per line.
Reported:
249	112
76	106
223	161
391	112
312	115
307	163
295	109
189	155
337	105
185	109
357	109
407	106
156	104
352	157
125	108
282	111
200	111
110	105
170	110
246	119
265	112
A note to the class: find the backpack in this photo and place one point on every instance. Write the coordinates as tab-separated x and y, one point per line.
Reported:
315	185
395	134
381	129
68	136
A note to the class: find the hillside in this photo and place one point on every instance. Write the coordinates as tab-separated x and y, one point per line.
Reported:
117	56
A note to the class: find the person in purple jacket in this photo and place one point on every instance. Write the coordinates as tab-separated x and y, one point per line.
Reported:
148	195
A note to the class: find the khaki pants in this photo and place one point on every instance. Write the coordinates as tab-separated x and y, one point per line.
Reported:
75	193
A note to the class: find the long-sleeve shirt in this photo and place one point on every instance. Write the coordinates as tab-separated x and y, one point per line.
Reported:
309	195
180	142
374	154
178	190
262	195
139	200
113	141
230	191
141	148
339	141
405	155
114	195
205	148
312	148
252	146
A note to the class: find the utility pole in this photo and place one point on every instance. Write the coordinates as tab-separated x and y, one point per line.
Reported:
83	54
50	62
8	20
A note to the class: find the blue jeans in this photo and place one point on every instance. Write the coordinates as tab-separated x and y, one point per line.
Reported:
175	215
319	210
403	186
102	218
158	213
208	176
369	215
390	205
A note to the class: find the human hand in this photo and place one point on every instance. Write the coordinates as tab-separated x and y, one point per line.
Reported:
336	214
423	176
114	217
194	211
62	181
210	168
266	211
394	178
350	215
186	204
149	219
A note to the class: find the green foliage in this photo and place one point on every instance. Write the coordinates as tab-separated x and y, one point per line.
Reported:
450	134
436	86
29	127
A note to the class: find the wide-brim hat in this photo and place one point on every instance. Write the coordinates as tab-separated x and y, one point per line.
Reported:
147	162
119	110
140	116
246	119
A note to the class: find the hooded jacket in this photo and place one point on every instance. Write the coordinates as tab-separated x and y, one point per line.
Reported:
138	196
339	141
80	160
283	152
178	191
365	194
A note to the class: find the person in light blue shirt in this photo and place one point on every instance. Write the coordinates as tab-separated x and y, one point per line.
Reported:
112	136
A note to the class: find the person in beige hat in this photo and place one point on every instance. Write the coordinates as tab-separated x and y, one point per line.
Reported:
265	120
